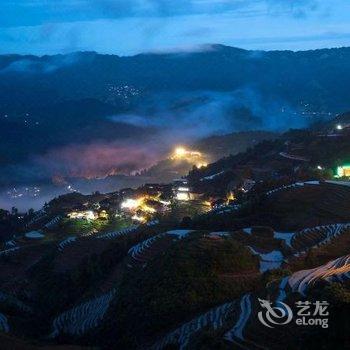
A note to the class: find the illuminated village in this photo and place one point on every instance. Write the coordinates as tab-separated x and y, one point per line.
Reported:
155	201
150	201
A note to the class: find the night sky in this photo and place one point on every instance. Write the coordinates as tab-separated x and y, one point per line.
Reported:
127	27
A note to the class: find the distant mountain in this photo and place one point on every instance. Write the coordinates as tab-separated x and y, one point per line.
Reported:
317	79
70	121
154	101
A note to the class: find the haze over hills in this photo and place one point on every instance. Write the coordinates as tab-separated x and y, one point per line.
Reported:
274	74
78	115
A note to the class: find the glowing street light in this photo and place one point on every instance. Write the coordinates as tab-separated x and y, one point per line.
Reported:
182	196
180	151
130	203
138	218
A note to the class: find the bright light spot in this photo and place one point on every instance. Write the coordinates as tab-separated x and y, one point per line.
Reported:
87	215
343	171
196	158
183	189
147	209
319	167
231	196
130	203
339	127
90	215
180	152
139	218
103	215
182	196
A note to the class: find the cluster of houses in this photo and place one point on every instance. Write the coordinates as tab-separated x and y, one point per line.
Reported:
142	204
88	214
183	192
139	204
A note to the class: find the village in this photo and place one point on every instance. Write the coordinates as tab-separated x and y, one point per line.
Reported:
208	188
224	186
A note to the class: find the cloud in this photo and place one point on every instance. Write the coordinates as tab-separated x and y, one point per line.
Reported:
175	119
35	12
134	26
297	8
98	159
187	116
33	65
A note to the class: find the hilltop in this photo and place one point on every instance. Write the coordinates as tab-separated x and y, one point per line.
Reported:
226	69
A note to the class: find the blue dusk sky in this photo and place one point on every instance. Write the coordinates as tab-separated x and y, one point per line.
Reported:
127	27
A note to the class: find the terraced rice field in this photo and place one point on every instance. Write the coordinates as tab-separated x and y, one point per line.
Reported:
40	215
10	244
238	319
66	242
83	317
294	185
293	157
147	249
284	236
322	202
269	261
13	301
237	330
214	318
247	332
282	289
9	251
4	326
337	270
52	223
300	241
316	236
152	223
138	251
115	234
224	209
336	200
